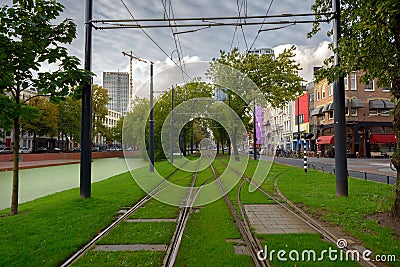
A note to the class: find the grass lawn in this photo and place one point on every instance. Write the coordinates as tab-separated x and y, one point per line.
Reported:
315	191
51	228
124	258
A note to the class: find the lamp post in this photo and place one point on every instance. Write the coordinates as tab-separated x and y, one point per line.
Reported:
298	127
254	132
151	120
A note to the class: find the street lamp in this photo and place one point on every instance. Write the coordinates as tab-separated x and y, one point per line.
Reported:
151	120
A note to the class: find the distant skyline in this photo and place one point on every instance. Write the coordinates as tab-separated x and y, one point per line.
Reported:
201	45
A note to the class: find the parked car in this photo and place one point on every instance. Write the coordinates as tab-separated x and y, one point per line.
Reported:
25	150
41	150
6	150
55	150
75	149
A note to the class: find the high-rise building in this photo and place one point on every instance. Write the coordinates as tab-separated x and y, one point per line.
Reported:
117	84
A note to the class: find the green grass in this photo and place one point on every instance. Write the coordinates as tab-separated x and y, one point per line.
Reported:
140	233
51	228
156	210
123	258
204	241
315	191
301	243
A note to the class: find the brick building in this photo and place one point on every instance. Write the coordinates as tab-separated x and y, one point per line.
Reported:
368	117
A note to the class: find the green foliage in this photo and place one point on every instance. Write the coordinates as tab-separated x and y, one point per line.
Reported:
100	100
277	78
370	39
44	121
370	42
162	108
133	123
31	38
70	118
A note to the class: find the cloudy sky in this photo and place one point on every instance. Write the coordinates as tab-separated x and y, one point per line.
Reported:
202	45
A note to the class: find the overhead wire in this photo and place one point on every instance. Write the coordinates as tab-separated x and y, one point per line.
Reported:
262	24
178	44
152	39
235	31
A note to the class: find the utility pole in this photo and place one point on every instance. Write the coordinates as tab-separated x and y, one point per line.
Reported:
339	115
151	130
298	127
86	132
130	55
171	129
254	132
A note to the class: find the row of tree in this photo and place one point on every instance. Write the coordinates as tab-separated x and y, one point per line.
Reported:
63	118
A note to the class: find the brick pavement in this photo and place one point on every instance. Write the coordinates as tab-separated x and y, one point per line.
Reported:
274	219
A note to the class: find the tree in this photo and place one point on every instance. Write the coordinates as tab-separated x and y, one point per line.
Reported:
70	119
29	38
116	131
44	122
276	78
370	42
134	122
99	109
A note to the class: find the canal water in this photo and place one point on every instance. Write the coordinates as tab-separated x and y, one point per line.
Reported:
39	182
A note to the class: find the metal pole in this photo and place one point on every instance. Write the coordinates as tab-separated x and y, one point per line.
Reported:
151	145
298	127
254	133
171	129
339	114
86	132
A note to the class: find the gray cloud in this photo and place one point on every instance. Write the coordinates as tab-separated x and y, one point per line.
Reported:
205	44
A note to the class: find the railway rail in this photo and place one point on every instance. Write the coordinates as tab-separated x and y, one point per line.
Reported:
296	211
157	189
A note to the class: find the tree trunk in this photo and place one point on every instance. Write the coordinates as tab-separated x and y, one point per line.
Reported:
15	186
234	144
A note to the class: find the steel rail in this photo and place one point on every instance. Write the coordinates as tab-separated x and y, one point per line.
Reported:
252	246
173	248
300	214
124	216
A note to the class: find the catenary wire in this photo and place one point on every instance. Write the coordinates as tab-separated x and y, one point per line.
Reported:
262	24
148	36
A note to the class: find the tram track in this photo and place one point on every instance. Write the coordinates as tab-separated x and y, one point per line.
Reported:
252	244
156	190
289	206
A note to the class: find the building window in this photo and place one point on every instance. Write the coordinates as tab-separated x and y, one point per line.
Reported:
346	111
346	82
373	112
323	92
353	82
330	114
353	111
369	86
318	95
330	92
387	88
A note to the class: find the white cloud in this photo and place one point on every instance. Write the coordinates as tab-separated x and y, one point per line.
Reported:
307	56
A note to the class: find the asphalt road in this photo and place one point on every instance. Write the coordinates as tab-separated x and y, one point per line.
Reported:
377	170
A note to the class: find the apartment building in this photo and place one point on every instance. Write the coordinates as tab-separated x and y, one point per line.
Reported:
368	117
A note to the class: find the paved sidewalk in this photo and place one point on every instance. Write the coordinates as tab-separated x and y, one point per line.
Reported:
274	219
8	166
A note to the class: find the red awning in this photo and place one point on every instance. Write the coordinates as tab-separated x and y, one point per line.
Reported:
326	139
382	138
